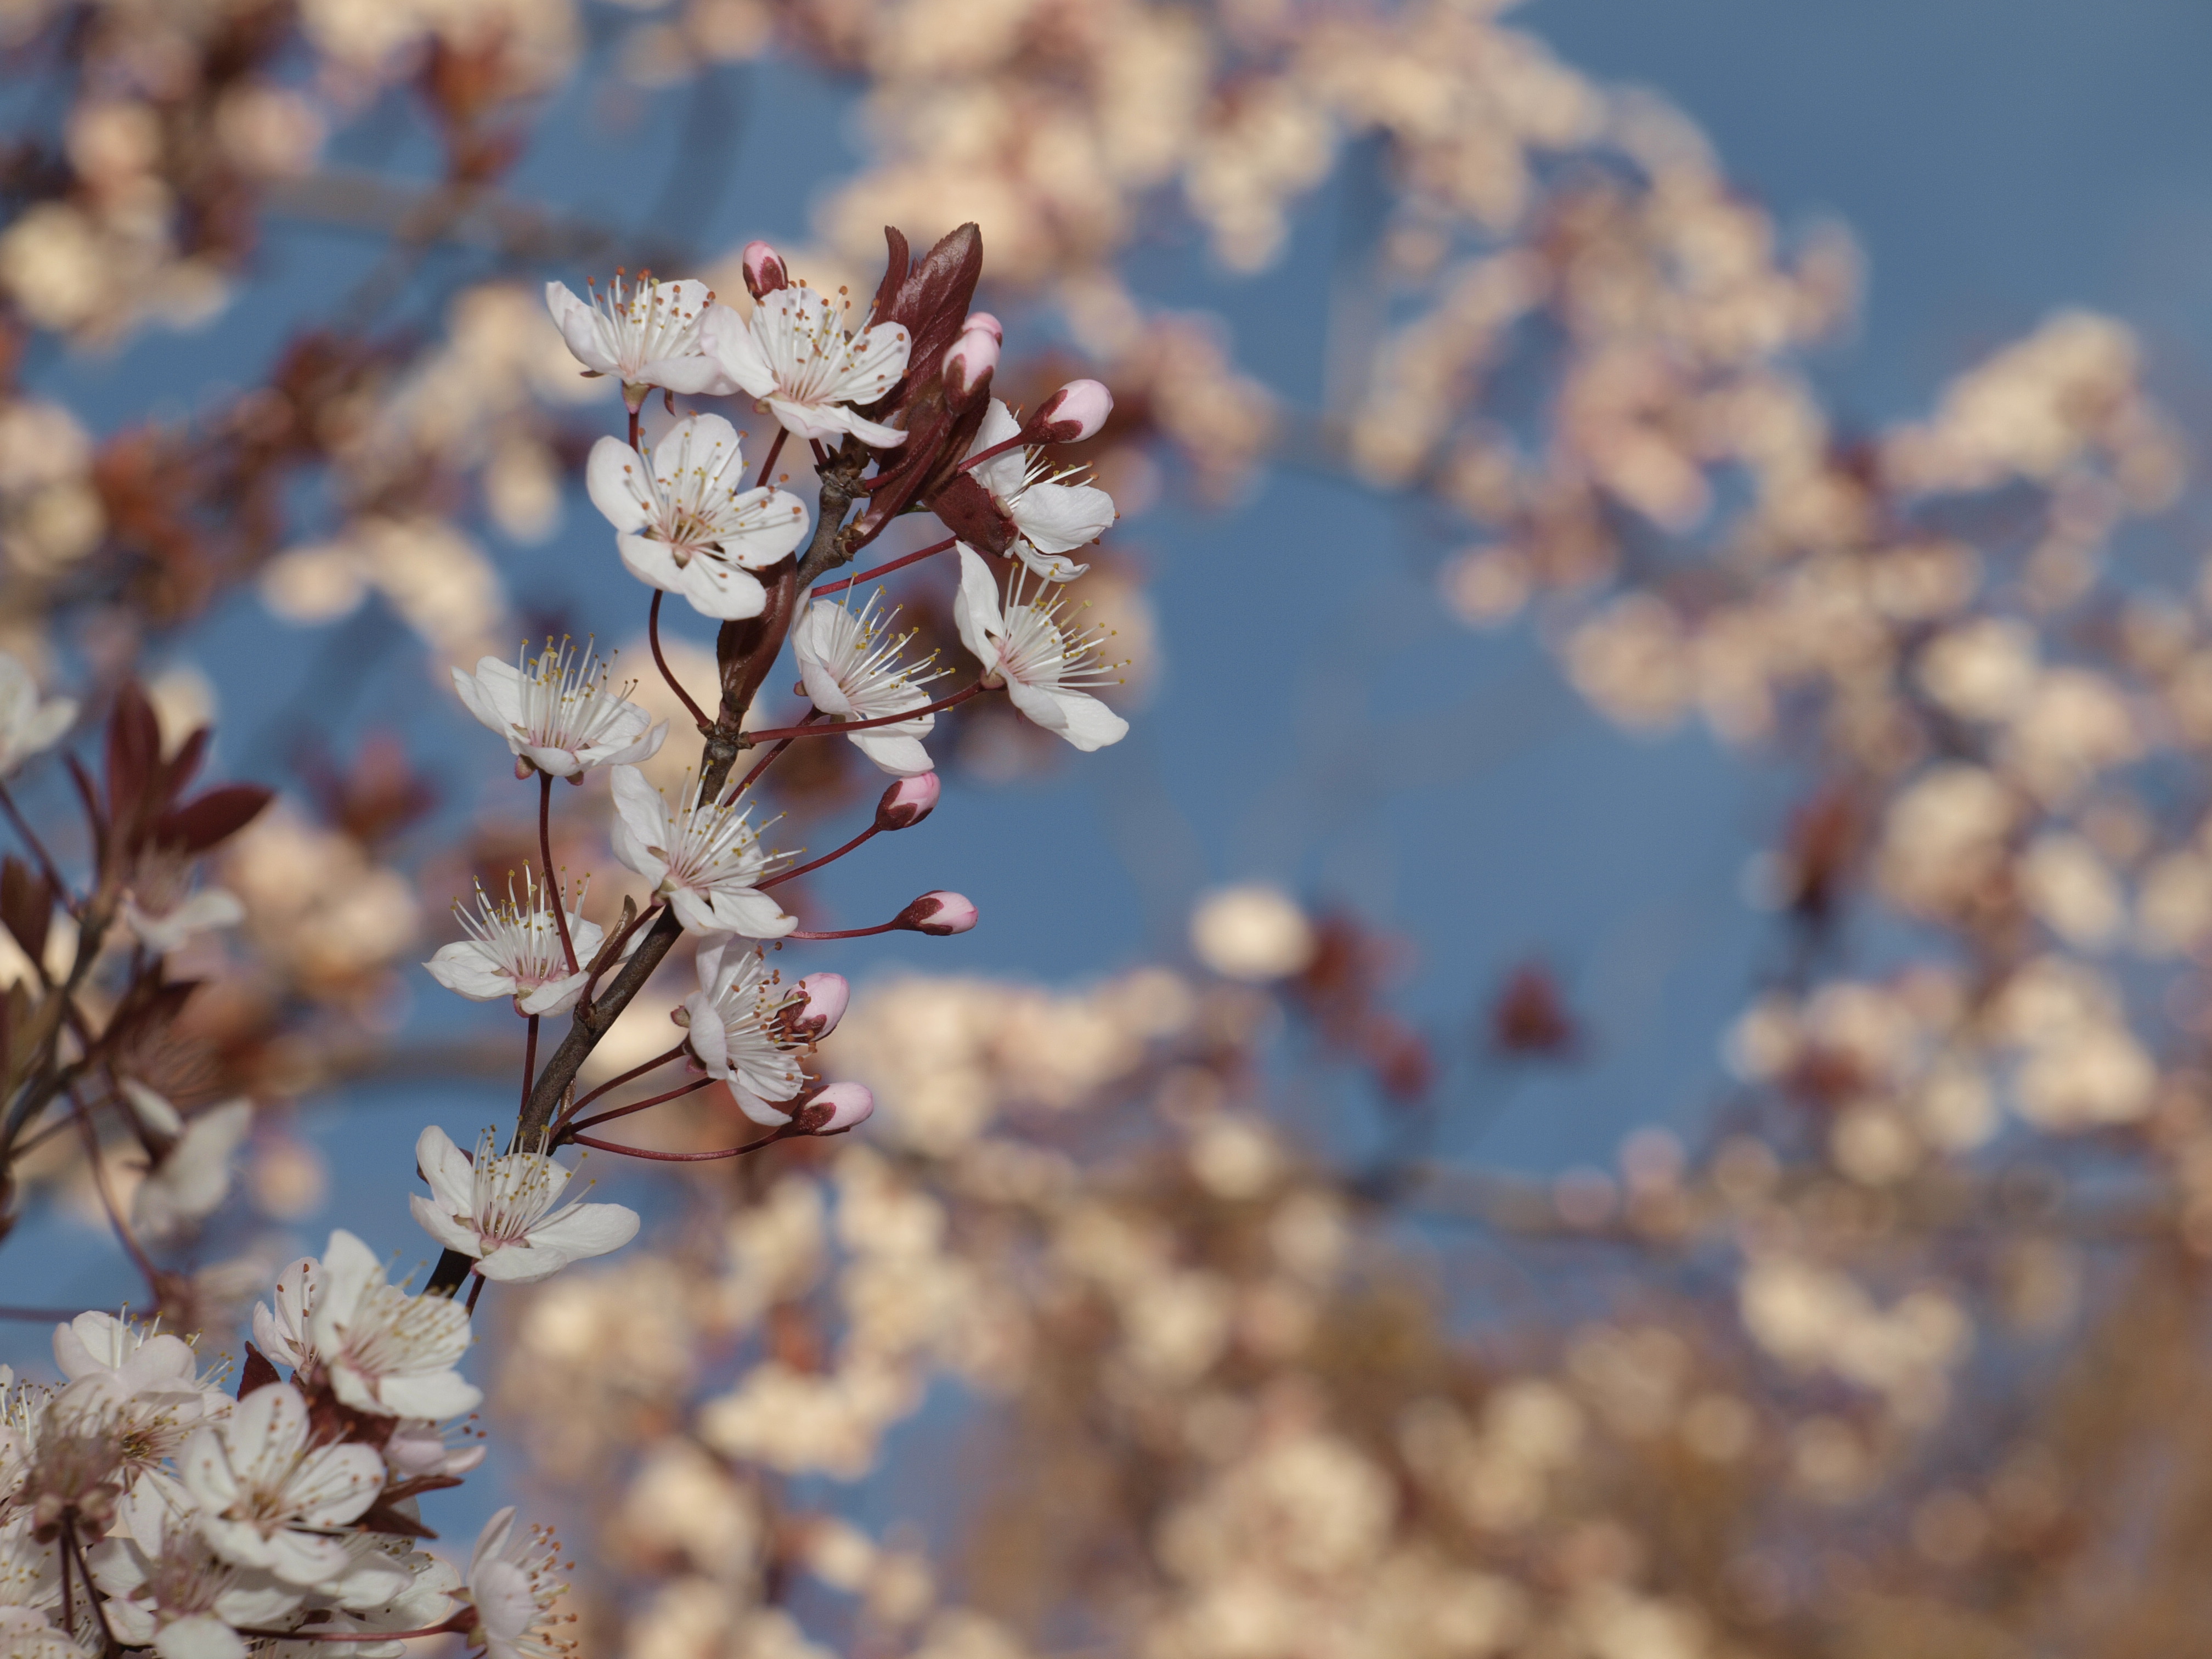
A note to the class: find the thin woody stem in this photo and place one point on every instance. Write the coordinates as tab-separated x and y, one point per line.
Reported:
885	569
686	1157
612	954
529	1061
653	638
545	852
827	857
775	749
596	1118
839	727
456	1623
848	932
983	455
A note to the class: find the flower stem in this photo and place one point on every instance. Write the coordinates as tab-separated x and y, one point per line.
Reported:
685	1157
841	726
827	857
775	449
848	932
635	1071
38	852
122	1233
983	455
885	569
652	637
598	1118
545	852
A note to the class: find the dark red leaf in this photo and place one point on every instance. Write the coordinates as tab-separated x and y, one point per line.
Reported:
969	512
27	906
894	275
94	816
215	817
178	773
134	750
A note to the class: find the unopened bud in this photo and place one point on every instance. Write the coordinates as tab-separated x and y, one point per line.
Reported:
966	362
833	1110
821	1004
937	914
1074	413
906	802
764	271
986	323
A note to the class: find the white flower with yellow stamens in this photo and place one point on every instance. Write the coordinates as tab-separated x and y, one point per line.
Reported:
1044	667
500	1210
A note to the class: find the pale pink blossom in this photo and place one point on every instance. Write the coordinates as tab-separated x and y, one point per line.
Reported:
513	1587
268	1496
794	355
706	859
559	712
740	1030
28	723
685	523
644	333
1054	517
1045	669
500	1210
515	951
384	1351
190	1180
850	666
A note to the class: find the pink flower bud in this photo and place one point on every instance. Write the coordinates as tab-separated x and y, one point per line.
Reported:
970	358
906	802
833	1110
937	914
988	324
1074	412
764	271
821	1004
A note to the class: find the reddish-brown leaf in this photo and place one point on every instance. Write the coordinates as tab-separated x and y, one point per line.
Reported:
27	906
210	819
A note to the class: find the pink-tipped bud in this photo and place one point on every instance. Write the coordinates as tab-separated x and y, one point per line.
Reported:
906	802
937	914
968	363
764	271
985	322
821	1004
833	1110
1074	413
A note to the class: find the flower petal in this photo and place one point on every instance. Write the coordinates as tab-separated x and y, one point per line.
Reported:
975	608
452	1178
580	326
614	478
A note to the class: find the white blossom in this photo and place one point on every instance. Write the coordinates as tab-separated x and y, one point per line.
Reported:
155	1394
794	354
741	1032
1054	517
685	523
645	333
558	711
500	1210
28	724
515	951
512	1588
268	1496
191	1178
705	860
30	1573
851	672
1043	667
168	1588
386	1352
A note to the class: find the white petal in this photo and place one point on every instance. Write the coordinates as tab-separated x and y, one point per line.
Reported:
493	694
749	912
614	478
437	1395
580	326
760	1111
440	1225
902	757
1002	474
466	966
1088	723
1060	518
558	996
452	1178
200	1636
773	523
975	608
878	358
728	339
1053	566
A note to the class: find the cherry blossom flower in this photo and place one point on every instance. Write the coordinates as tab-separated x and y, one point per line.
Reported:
512	1588
500	1210
705	860
30	1572
385	1352
269	1497
840	1107
168	1589
516	950
558	712
26	1633
155	1394
28	724
645	333
684	521
419	1448
741	1032
282	1332
1042	666
1054	517
795	357
191	1178
851	669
